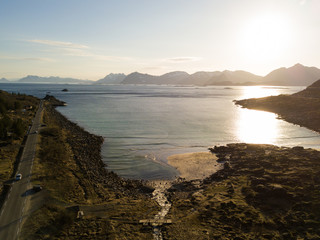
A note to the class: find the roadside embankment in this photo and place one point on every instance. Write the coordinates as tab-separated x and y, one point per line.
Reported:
69	168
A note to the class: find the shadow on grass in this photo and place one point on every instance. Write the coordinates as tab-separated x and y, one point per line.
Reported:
28	192
10	181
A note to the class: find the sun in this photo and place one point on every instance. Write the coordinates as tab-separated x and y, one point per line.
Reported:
265	38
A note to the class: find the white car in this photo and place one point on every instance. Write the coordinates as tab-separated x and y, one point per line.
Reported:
19	176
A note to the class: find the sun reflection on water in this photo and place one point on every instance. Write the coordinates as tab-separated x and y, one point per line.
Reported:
259	91
257	126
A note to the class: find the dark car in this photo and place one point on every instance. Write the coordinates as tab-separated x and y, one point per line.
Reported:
37	188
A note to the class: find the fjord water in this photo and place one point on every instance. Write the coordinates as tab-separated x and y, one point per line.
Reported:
143	125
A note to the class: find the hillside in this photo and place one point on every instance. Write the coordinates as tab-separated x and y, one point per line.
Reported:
302	108
313	91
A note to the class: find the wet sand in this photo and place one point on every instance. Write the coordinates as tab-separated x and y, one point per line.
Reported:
197	165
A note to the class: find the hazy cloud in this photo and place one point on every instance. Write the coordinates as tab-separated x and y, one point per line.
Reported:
27	58
77	50
182	59
37	59
85	53
59	44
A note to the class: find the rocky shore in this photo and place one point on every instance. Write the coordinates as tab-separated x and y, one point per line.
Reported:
263	192
81	199
86	148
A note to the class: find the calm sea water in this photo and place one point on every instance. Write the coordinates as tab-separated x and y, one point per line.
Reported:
143	125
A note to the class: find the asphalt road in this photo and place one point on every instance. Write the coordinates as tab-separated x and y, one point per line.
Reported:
13	210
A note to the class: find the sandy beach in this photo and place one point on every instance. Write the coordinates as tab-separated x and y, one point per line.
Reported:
197	165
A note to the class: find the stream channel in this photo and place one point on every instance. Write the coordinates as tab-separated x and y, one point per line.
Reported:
159	195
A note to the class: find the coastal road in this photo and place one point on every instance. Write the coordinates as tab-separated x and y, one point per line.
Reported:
13	209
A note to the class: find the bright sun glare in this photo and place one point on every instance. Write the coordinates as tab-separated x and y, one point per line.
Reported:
257	126
265	38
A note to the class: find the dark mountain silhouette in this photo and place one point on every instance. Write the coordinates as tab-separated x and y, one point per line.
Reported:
297	75
139	78
173	78
112	78
235	78
198	78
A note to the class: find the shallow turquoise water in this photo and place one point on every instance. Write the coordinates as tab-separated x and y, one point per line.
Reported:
142	125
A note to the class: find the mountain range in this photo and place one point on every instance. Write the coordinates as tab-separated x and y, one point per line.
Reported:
56	80
112	78
297	75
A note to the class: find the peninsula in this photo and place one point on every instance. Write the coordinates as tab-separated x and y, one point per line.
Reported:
302	108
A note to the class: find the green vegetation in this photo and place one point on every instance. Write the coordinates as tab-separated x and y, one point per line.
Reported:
268	193
16	111
16	114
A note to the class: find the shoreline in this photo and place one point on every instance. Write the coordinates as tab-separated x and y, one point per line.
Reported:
87	154
243	175
195	165
77	182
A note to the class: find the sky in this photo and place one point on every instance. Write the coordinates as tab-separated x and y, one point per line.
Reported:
88	39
